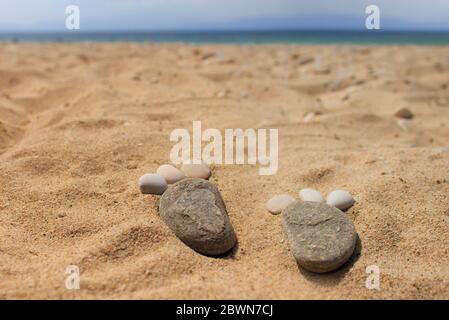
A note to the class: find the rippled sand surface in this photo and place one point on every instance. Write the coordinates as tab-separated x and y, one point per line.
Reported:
80	123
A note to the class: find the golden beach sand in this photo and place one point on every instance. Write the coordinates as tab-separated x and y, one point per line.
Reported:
80	123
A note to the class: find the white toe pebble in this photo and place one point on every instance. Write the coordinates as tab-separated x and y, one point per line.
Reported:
340	199
201	171
279	203
170	173
152	183
311	195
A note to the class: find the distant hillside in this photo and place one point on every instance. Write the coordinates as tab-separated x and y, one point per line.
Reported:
322	23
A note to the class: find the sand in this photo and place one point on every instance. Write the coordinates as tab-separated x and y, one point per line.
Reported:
80	123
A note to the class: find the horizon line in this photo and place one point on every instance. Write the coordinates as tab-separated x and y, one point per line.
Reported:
280	30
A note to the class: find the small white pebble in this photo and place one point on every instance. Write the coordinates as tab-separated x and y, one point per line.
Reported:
201	171
340	199
278	203
311	195
152	183
170	173
405	124
221	94
438	150
309	117
244	94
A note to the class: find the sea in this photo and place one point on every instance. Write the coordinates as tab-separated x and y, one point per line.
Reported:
240	37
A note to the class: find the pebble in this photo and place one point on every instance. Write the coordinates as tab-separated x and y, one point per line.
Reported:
152	183
194	210
404	113
340	199
221	94
439	150
320	237
244	94
309	117
208	55
310	195
405	124
170	173
278	203
201	171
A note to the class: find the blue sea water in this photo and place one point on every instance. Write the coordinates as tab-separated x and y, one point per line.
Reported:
242	37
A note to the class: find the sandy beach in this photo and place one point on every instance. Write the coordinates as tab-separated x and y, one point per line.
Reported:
80	123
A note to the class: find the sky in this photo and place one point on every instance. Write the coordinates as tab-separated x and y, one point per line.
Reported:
153	15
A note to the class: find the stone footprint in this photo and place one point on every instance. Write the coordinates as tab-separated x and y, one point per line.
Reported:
321	237
194	210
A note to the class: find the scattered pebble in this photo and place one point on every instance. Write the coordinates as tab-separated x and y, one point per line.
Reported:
310	195
438	150
221	94
340	199
194	210
170	173
320	237
278	203
309	117
201	171
404	113
405	124
244	94
208	55
152	183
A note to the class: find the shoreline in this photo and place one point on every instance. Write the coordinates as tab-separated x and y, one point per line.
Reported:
281	37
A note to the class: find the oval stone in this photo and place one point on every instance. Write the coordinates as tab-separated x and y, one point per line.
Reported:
278	203
310	195
340	199
170	173
321	237
201	171
152	183
404	113
194	210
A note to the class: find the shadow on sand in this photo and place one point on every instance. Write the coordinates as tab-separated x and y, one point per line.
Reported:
228	255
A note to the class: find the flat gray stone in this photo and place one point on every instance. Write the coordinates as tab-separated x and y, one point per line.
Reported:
321	237
194	210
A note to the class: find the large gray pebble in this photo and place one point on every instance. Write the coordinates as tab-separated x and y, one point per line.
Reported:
321	237
194	210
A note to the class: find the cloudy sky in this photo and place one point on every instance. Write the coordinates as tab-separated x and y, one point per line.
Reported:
43	15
